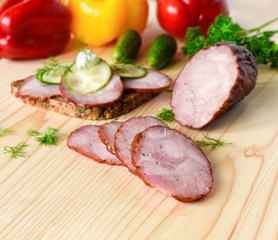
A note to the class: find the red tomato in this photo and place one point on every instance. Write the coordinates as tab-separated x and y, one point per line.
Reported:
200	5
208	15
175	16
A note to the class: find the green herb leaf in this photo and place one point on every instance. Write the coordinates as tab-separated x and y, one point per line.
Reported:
80	44
52	65
211	142
225	30
194	41
265	50
5	131
32	132
165	115
49	138
47	68
16	151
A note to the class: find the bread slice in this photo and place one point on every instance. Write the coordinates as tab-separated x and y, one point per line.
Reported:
129	101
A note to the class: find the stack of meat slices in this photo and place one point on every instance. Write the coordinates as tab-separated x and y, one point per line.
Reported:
116	98
162	157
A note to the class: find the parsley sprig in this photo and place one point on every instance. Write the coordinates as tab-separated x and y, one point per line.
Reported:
224	29
5	131
17	151
165	115
210	142
52	66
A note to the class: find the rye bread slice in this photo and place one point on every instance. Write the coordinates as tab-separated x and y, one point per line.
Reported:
129	101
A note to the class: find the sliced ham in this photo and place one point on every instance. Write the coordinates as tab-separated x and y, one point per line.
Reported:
213	81
107	134
85	140
171	162
125	135
107	96
154	82
33	89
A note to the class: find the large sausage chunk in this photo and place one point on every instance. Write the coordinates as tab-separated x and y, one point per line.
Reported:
171	162
85	140
214	80
125	135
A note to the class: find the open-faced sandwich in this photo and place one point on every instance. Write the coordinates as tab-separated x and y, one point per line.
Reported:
90	88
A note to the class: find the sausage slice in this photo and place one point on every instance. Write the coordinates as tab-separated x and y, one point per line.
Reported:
107	133
85	140
125	135
107	96
171	162
153	82
213	81
33	89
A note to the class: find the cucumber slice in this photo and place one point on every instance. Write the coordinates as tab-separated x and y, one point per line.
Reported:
129	70
88	80
54	76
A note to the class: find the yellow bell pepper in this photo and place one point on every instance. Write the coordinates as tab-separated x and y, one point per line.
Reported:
102	21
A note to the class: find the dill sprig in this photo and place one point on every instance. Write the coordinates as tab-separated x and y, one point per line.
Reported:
49	138
52	65
80	44
48	66
165	115
5	131
16	151
211	142
32	132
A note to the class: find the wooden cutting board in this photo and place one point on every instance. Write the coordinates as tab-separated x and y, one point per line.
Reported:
55	193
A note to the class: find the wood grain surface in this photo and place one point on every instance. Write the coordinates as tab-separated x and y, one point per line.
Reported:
55	193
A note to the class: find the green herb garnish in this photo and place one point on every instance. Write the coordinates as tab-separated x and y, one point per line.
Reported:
211	142
165	115
49	138
32	132
225	30
16	151
51	66
80	44
5	131
194	41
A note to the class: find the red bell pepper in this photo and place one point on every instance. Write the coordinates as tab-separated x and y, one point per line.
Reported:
33	28
175	16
